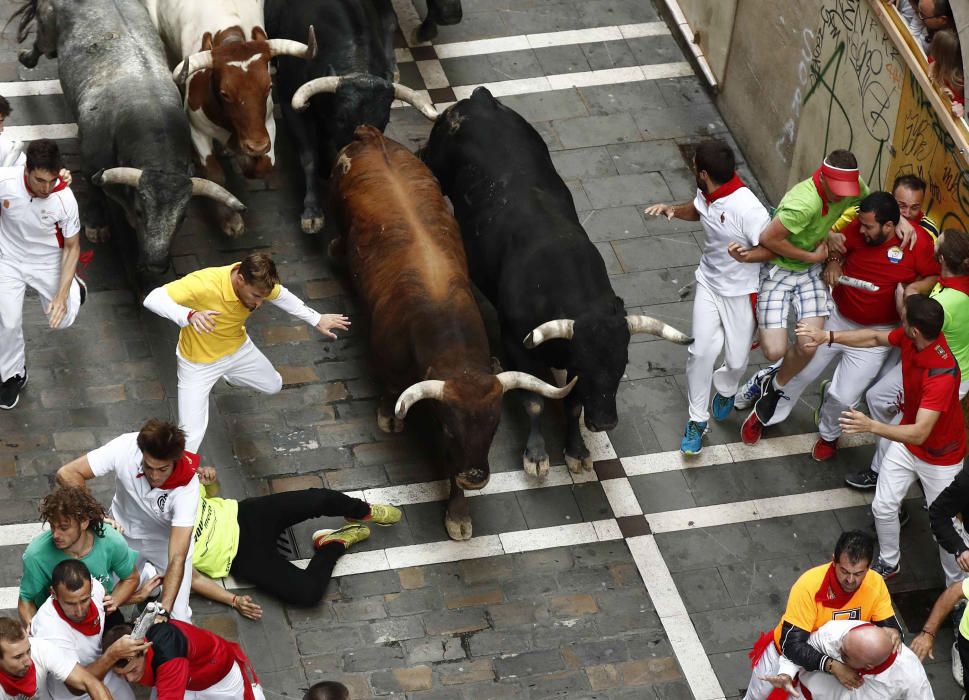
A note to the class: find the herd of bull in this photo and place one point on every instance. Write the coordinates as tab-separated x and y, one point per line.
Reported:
511	227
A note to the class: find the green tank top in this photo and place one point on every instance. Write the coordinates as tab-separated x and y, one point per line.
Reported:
955	327
216	535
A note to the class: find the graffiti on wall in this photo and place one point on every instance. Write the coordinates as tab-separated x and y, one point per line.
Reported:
852	97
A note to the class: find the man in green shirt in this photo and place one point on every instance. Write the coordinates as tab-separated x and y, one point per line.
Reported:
239	537
77	531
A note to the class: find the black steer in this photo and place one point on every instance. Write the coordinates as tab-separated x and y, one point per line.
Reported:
348	84
530	256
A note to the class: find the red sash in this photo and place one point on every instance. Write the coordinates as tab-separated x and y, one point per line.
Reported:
830	594
183	472
960	283
89	626
26	686
729	187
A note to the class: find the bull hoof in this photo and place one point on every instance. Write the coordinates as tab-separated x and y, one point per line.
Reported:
458	528
311	221
389	424
28	58
97	234
536	466
233	225
578	465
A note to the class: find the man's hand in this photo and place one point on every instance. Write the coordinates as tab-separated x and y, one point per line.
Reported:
819	254
815	335
203	321
141	595
125	647
738	252
853	421
667	210
782	682
906	232
836	242
328	322
207	475
115	524
832	273
922	646
247	607
963	560
109	605
847	676
57	310
65	175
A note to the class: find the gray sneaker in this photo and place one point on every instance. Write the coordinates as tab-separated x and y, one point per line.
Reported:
750	391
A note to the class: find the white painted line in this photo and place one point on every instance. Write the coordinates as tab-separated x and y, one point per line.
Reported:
636	31
433	74
548	537
21	533
676	622
27	88
408	19
41	131
9	597
621	497
441	552
403	56
360	563
483	47
674	460
503	88
600	447
607	530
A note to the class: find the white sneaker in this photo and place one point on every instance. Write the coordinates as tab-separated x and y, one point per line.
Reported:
956	663
750	391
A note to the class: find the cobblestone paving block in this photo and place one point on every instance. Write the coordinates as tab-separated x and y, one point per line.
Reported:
492	642
546	106
374	658
583	132
554	685
464	672
603	55
432	650
455	621
410	602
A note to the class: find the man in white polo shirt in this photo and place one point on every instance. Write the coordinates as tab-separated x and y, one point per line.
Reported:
39	248
723	310
72	619
155	500
26	664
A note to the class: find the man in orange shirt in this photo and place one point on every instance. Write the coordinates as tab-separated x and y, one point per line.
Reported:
843	589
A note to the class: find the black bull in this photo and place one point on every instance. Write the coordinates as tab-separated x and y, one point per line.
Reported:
530	256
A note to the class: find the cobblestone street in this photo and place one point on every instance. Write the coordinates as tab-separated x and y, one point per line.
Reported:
649	577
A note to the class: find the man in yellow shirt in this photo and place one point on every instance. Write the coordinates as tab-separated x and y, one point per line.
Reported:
211	307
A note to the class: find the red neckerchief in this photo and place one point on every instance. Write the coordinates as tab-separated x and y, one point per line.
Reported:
874	671
26	686
821	193
960	283
61	185
729	187
183	472
830	585
89	626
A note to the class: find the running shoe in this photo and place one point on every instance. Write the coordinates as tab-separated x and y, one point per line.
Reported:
722	406
348	535
823	393
10	390
956	659
380	514
692	441
752	429
866	479
884	570
824	449
750	391
770	394
82	285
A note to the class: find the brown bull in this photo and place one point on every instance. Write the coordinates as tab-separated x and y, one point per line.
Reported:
427	337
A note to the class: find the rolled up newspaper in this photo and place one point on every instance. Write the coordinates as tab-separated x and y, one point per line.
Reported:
145	621
855	282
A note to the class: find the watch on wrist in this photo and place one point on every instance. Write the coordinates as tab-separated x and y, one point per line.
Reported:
163	613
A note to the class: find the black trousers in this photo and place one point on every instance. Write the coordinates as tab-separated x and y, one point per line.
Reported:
262	520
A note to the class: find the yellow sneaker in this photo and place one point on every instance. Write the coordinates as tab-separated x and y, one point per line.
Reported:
380	514
348	535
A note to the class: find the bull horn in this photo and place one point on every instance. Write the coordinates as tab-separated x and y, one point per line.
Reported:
288	47
191	64
648	324
427	389
528	382
301	98
118	176
207	188
415	99
560	328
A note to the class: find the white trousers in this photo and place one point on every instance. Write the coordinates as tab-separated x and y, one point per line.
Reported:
155	554
229	688
247	366
15	277
856	369
766	666
899	471
885	400
726	323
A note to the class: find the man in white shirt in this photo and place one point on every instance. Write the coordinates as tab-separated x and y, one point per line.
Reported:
39	248
155	500
211	307
11	151
723	310
26	664
886	673
72	619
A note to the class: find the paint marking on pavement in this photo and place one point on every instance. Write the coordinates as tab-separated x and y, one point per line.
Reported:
28	88
41	131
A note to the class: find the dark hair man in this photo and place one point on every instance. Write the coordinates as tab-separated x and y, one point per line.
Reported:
26	664
211	306
155	500
723	313
327	690
77	531
930	443
39	248
844	588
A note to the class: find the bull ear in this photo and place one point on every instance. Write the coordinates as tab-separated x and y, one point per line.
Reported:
259	34
206	41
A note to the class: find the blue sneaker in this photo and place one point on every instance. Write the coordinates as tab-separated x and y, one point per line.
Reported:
692	441
722	406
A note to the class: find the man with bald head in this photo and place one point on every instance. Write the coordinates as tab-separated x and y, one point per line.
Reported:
885	672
